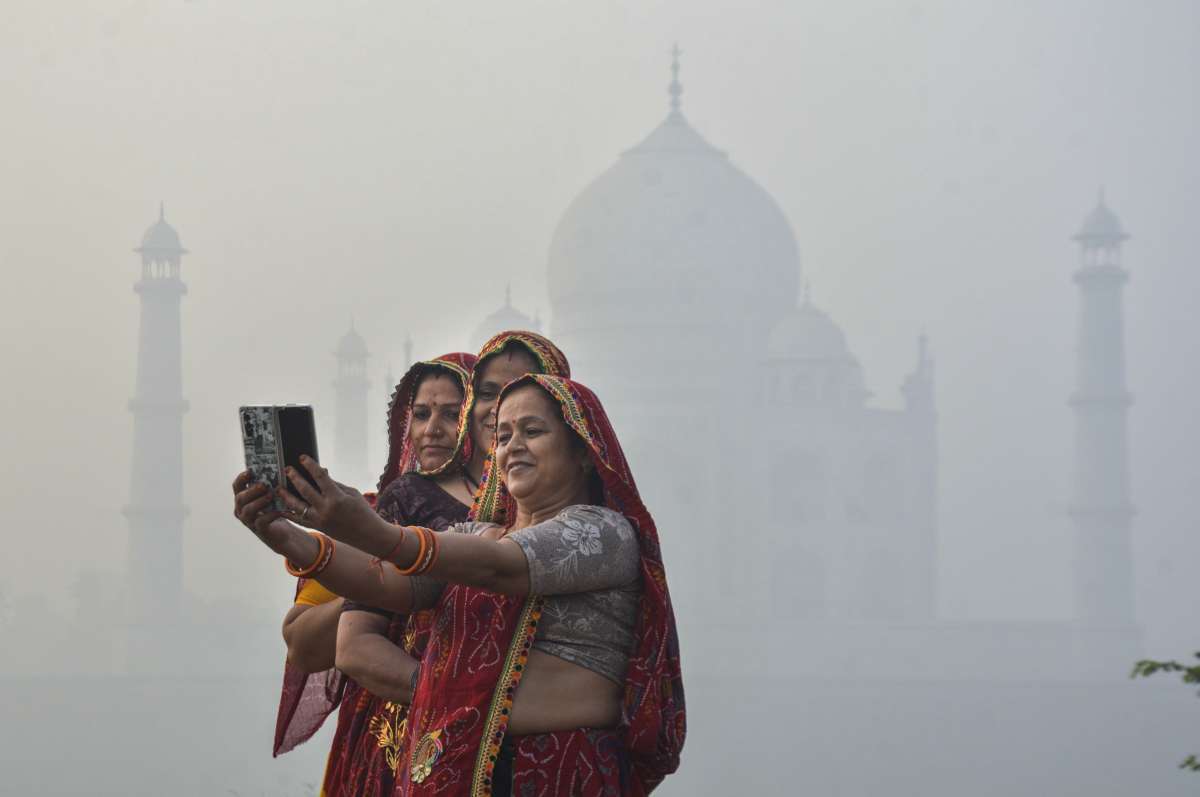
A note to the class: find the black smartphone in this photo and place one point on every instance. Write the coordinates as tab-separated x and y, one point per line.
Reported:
273	438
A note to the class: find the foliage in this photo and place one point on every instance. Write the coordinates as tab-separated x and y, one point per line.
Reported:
1190	675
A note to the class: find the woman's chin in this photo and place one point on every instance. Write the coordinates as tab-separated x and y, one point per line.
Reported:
520	490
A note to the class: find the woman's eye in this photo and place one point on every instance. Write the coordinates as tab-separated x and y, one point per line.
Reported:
502	439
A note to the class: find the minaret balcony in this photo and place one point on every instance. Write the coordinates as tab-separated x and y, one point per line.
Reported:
160	286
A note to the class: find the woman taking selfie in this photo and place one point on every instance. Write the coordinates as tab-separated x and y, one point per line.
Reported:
429	476
553	662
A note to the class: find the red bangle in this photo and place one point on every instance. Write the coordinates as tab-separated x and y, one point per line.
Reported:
387	557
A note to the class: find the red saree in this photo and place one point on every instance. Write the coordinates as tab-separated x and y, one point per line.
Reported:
480	642
307	699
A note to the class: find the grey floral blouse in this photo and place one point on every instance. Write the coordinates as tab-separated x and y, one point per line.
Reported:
585	561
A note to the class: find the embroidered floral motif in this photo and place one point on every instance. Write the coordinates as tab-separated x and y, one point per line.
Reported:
388	728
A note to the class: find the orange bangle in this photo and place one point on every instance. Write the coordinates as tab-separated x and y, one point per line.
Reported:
323	548
421	551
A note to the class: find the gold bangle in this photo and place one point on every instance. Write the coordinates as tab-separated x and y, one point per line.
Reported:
433	552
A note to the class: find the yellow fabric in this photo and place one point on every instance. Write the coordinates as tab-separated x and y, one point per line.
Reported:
313	594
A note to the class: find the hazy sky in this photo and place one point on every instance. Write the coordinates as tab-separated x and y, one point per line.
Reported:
401	162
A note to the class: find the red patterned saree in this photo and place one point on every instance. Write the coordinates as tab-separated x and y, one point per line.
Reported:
308	698
480	642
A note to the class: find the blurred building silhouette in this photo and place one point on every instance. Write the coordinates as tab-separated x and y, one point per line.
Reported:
351	389
675	289
1100	507
791	507
156	510
502	319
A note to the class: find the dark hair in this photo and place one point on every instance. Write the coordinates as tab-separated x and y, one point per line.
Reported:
433	369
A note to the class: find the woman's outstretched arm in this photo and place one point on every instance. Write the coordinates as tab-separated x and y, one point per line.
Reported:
351	573
486	562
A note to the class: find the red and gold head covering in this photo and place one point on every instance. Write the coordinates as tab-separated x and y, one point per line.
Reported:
402	458
550	360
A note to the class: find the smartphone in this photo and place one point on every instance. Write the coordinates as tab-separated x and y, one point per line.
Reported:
273	438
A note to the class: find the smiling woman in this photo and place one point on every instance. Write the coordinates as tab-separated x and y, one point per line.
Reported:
553	662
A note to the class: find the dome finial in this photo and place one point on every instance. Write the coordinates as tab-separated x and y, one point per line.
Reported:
807	296
508	294
162	213
675	90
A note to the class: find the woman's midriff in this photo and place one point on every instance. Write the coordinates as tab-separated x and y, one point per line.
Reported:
556	695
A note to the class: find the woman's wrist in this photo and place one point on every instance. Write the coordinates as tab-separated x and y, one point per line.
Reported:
383	540
299	547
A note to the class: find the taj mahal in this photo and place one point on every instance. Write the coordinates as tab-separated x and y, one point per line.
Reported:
676	290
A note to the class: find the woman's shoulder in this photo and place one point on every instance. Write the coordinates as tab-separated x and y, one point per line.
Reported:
602	517
475	527
414	499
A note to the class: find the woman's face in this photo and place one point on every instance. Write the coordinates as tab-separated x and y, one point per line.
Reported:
434	425
496	372
536	453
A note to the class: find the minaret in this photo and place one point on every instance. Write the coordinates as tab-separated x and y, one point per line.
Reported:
1100	506
351	386
156	511
921	411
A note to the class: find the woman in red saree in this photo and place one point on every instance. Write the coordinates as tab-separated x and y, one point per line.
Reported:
430	477
563	596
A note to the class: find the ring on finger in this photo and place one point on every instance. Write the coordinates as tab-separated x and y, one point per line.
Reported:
304	514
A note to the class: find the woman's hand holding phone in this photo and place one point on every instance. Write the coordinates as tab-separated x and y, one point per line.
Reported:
252	506
332	507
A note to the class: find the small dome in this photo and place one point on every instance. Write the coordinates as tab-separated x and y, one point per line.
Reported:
352	346
161	237
1101	225
807	333
505	318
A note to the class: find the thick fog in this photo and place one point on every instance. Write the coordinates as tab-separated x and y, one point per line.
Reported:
398	166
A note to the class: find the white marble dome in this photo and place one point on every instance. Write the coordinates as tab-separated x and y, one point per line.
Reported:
671	228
